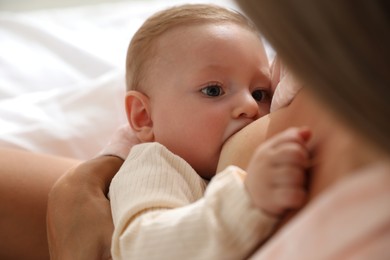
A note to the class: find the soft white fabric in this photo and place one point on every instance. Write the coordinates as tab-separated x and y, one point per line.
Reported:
62	74
74	122
162	210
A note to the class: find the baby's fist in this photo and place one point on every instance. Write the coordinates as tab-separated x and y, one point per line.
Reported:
277	172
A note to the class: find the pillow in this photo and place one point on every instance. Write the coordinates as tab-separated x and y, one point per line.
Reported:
75	122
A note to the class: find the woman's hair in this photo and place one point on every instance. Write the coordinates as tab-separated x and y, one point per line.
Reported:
142	46
341	49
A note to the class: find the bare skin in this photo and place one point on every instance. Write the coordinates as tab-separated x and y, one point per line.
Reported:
26	178
331	139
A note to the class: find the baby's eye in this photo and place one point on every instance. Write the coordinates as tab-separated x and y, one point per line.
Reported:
213	91
260	95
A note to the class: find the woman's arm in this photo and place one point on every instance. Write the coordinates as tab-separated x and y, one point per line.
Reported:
25	180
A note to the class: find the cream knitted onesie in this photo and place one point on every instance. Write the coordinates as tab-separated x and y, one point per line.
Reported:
162	209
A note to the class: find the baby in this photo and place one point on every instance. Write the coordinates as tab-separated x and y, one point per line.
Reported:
196	75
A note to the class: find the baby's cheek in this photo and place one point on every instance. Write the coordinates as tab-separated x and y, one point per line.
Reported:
206	163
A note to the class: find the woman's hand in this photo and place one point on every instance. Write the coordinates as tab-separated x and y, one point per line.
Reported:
79	222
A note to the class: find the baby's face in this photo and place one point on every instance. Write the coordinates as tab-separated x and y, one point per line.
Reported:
206	83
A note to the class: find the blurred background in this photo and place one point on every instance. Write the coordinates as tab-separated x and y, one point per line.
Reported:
24	5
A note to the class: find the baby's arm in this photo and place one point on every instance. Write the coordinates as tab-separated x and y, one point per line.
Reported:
162	210
276	173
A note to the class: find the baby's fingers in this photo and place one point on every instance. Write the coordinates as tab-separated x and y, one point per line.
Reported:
287	176
286	197
293	154
299	135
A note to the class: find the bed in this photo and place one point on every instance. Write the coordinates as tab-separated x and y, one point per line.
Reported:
62	71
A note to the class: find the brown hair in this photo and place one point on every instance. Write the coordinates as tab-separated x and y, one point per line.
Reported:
141	48
338	48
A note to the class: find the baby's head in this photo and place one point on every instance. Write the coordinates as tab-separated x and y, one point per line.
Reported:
196	74
142	49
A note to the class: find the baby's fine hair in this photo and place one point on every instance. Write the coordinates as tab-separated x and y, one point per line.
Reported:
142	46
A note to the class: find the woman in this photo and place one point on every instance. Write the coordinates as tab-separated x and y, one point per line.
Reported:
349	136
344	59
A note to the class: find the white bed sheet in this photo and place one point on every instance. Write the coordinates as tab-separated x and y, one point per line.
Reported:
62	74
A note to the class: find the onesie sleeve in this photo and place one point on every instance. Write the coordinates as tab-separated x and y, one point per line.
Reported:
162	210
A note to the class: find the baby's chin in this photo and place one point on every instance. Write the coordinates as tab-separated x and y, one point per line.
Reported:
207	172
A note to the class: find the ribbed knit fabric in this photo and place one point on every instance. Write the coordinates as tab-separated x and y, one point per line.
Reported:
163	210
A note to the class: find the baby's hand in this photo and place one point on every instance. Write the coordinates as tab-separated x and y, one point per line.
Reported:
276	172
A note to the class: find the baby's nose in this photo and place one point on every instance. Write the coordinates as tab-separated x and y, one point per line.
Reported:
247	107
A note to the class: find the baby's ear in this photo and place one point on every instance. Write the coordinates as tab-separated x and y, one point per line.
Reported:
138	115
